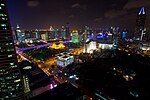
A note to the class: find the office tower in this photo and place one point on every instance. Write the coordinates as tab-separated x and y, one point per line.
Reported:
67	28
10	79
51	33
14	35
44	36
56	34
20	34
75	36
36	34
140	23
124	34
63	33
87	31
86	39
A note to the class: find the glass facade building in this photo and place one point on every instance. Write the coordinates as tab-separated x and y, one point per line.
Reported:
10	78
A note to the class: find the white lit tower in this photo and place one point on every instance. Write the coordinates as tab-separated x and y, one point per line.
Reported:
51	33
18	32
86	37
51	28
37	34
140	23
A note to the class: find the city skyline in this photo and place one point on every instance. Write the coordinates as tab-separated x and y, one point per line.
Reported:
38	14
73	50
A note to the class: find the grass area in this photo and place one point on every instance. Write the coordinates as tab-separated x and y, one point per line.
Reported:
42	54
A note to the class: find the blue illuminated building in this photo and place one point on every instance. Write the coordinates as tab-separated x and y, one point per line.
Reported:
63	34
92	36
102	36
124	34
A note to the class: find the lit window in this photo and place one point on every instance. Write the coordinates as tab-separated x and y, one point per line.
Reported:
6	96
2	4
12	89
11	63
9	87
3	25
9	55
10	49
13	66
3	18
14	76
17	85
8	77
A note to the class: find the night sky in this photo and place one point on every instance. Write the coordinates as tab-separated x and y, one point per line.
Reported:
41	14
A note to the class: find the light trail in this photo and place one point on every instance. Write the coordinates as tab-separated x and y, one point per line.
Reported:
40	46
24	58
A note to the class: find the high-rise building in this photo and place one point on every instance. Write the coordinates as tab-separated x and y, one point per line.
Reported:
75	36
10	78
86	37
87	33
63	33
20	34
67	29
140	23
51	33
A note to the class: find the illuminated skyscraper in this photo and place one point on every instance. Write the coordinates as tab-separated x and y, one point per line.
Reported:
87	33
75	36
10	80
18	32
140	22
86	38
